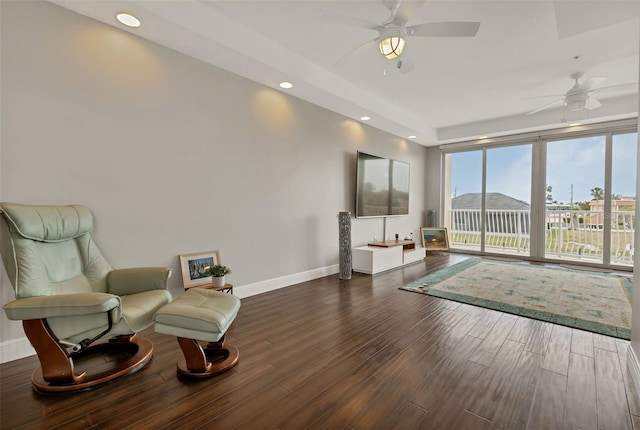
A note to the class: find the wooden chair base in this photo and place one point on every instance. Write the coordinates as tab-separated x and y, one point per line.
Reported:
199	362
99	364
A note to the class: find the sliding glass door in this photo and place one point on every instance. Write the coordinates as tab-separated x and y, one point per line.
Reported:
496	220
591	198
463	198
507	200
623	197
570	199
574	227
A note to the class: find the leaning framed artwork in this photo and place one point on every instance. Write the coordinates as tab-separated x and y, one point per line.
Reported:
195	267
434	238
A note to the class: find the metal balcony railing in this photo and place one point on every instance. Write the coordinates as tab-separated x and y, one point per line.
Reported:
569	234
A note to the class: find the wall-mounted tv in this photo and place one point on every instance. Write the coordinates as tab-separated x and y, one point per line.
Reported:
382	187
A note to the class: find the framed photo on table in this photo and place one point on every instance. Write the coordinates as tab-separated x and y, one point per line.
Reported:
195	267
434	238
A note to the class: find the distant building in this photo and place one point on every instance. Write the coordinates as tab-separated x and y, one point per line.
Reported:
504	214
596	220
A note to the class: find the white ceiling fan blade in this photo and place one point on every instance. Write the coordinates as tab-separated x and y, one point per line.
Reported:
546	106
593	82
633	86
444	29
353	22
592	104
543	97
353	51
406	9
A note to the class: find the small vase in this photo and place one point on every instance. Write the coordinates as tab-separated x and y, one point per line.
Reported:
217	281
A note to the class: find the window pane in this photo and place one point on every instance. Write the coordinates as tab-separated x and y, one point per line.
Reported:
507	199
575	184
463	191
623	195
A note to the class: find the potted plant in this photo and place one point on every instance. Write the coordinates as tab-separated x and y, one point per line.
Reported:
217	274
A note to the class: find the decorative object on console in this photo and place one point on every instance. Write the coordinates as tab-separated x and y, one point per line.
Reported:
344	239
217	273
196	268
434	238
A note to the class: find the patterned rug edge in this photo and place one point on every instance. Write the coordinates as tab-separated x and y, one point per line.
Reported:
418	286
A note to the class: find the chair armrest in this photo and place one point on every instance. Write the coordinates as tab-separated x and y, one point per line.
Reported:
62	305
124	282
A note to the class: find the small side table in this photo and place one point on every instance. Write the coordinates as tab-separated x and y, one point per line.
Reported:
227	288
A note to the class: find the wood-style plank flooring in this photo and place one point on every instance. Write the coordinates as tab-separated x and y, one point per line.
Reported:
359	354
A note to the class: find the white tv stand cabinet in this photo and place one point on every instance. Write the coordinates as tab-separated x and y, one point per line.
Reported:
380	256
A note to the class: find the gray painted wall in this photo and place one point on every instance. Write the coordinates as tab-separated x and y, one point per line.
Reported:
433	177
176	156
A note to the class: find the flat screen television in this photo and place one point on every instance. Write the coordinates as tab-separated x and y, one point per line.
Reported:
382	187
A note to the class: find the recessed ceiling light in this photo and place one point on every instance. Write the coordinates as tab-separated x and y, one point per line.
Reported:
286	85
413	136
128	19
483	137
365	118
575	124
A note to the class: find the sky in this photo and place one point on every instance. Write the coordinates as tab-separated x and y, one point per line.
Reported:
577	162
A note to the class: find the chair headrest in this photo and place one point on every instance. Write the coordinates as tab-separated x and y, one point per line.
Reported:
48	223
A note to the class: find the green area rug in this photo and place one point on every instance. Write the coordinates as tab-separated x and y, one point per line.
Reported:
597	302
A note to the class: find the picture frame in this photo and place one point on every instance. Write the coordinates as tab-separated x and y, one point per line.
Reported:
194	265
434	238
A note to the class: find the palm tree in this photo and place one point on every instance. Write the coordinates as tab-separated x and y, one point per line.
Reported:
549	195
597	193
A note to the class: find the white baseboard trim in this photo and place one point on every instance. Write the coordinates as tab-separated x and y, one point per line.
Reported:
284	281
634	368
19	348
15	349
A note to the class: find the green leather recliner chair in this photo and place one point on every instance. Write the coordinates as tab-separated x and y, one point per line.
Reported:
73	304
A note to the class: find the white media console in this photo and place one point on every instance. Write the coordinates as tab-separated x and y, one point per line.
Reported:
380	256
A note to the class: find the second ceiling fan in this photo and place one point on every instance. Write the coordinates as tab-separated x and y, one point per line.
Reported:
580	95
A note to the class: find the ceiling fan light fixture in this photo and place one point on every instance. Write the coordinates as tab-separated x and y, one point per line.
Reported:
575	105
391	47
576	99
391	43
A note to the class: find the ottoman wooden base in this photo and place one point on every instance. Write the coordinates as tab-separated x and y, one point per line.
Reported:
213	359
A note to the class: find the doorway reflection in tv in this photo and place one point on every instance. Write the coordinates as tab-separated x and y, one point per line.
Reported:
382	187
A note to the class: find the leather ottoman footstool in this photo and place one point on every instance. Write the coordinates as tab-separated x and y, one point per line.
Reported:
201	315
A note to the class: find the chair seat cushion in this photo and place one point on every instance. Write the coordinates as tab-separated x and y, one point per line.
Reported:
198	314
138	310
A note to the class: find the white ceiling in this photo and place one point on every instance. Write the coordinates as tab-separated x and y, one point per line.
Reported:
459	88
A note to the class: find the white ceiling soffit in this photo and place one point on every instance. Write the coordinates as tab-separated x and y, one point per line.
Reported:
459	88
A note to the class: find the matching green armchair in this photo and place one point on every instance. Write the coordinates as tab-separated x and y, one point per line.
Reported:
80	315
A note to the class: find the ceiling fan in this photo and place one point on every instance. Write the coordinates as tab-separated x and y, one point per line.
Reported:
579	96
393	32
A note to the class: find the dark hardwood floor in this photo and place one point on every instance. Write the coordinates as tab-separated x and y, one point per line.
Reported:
360	354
